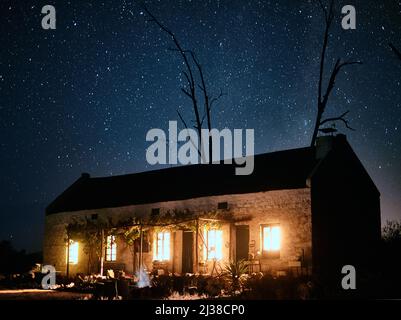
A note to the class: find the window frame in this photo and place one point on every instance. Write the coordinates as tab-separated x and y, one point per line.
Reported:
111	249
207	250
161	257
73	245
270	253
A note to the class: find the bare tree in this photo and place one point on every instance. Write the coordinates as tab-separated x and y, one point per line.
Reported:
395	50
323	98
195	80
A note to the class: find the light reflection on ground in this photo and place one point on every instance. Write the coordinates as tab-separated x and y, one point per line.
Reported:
38	294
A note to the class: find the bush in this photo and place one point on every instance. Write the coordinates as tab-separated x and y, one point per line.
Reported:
267	287
162	286
16	262
236	274
179	284
208	285
255	286
214	286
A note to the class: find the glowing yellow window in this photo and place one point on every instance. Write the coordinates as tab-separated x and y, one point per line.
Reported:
271	239
161	248
214	244
73	252
111	248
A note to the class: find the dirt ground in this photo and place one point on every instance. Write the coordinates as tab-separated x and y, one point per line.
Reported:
37	294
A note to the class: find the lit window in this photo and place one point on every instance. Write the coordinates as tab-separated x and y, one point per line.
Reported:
214	244
161	250
271	238
111	248
73	252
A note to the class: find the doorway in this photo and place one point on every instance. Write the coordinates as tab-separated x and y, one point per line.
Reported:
242	242
187	252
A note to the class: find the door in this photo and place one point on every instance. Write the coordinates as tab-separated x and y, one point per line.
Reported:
242	242
187	252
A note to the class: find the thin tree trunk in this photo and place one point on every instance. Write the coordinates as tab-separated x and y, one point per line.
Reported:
197	247
68	256
322	100
141	249
316	128
191	91
320	107
101	253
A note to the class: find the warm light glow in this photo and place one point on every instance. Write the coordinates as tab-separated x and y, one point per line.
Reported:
271	238
73	252
161	250
111	248
214	244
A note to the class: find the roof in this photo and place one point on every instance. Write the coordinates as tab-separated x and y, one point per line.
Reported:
287	169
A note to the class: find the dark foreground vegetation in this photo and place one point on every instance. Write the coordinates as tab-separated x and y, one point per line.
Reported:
17	271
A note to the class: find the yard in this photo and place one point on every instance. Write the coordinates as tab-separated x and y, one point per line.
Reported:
39	294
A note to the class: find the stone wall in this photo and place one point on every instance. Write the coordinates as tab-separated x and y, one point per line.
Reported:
289	208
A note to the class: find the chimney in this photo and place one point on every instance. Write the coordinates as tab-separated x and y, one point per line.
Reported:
85	175
326	143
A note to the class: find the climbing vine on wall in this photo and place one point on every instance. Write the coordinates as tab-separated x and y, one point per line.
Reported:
91	233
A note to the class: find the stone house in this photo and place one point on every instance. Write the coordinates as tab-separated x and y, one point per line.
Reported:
303	210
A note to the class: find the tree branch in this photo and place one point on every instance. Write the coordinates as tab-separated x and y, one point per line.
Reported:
188	73
329	16
395	50
186	127
186	92
339	118
323	99
206	102
213	100
323	9
337	67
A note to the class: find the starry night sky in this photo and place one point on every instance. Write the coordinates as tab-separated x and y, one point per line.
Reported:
81	98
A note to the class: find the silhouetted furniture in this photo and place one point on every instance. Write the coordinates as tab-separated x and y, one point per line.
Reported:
106	289
116	267
123	288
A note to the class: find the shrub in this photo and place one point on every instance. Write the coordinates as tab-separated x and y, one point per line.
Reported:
214	286
201	283
235	273
162	286
267	287
209	285
179	283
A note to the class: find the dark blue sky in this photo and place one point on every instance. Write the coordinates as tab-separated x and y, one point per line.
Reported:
82	97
